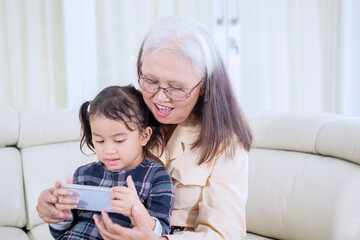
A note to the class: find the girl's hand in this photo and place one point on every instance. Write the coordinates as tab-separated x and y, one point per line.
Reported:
124	198
112	231
46	206
63	203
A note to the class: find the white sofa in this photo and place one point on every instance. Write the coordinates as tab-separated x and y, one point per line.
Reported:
304	173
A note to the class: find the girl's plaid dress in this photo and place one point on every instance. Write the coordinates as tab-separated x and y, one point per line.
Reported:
153	184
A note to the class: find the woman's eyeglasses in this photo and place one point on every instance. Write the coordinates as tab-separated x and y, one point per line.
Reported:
176	94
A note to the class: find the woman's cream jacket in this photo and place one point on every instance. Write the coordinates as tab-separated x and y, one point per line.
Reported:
209	198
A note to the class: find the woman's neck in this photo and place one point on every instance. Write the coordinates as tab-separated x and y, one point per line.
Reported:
168	131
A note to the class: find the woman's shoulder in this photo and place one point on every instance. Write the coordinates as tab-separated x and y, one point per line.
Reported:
231	164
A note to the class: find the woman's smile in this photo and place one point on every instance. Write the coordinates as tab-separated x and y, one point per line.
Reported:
163	111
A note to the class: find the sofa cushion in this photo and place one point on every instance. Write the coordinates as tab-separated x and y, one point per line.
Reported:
40	232
295	195
12	233
340	138
250	236
9	126
288	131
45	164
46	127
12	207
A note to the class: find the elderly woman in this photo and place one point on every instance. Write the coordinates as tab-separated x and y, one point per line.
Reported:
205	135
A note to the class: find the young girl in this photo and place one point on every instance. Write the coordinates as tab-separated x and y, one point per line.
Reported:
119	128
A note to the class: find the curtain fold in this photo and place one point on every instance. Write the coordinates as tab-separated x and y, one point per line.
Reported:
350	59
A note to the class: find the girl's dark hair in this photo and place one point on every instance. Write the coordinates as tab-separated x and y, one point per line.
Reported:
223	125
120	104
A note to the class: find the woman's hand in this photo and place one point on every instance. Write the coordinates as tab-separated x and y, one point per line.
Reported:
46	205
112	231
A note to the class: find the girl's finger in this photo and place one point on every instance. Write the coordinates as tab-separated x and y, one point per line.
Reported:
130	183
65	200
65	207
120	189
63	192
58	184
116	195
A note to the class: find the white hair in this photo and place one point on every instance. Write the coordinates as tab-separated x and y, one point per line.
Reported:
186	37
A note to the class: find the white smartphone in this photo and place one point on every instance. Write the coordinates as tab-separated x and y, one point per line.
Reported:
90	198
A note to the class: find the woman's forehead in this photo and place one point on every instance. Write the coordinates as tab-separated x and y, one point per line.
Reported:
169	66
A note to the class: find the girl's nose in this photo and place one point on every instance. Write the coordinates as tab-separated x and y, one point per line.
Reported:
109	148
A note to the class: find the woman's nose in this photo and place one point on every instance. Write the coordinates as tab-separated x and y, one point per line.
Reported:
161	95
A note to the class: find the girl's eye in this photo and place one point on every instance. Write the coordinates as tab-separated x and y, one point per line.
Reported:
119	141
99	141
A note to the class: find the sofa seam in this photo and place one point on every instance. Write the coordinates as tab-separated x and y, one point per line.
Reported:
318	131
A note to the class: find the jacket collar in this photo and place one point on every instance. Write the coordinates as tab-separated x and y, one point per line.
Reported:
182	138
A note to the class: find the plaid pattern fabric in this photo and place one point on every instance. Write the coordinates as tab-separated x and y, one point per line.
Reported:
153	184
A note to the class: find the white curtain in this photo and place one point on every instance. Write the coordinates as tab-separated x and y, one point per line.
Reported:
295	55
56	54
32	61
350	59
292	55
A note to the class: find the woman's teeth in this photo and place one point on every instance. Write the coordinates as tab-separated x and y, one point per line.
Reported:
163	109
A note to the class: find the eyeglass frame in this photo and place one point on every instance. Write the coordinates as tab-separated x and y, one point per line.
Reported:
166	89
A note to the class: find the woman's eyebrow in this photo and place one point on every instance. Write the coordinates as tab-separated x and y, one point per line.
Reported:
149	75
153	77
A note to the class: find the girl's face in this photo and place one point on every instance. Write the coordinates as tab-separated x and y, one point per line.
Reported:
116	146
170	69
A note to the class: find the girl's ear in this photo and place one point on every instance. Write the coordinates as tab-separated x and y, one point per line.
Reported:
145	136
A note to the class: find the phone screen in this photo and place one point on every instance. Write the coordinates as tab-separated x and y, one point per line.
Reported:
90	197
